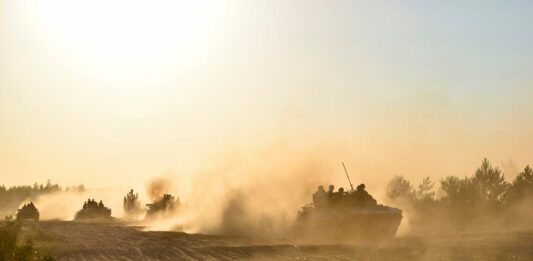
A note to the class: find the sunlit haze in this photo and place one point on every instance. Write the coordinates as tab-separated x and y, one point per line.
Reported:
111	93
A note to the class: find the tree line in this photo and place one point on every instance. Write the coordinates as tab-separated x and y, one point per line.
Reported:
12	197
484	200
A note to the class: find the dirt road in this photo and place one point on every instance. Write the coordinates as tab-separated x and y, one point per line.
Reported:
115	241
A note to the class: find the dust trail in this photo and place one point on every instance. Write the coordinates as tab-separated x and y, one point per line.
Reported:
252	191
243	190
158	186
64	205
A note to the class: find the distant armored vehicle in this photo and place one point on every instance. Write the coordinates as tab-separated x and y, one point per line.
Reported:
93	210
28	212
353	215
165	204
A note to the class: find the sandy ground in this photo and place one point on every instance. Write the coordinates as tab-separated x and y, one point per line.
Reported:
113	241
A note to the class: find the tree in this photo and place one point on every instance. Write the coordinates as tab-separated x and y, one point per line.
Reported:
489	183
458	191
131	203
400	189
425	191
522	186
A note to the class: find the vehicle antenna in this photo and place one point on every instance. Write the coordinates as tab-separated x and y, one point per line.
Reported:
348	176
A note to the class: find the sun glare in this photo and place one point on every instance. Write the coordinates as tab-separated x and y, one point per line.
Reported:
123	32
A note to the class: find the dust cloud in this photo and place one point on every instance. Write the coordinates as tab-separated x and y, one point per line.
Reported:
250	191
257	190
243	190
63	205
158	186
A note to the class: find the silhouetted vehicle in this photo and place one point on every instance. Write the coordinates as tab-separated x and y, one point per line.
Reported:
28	212
347	216
165	204
93	210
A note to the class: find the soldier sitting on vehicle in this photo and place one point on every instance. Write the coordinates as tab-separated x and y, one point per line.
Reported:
339	196
363	196
330	192
357	198
320	197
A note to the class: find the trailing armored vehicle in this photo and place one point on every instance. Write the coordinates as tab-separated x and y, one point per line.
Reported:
354	215
93	210
28	212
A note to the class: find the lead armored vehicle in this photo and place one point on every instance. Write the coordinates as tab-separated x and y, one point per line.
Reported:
28	212
352	216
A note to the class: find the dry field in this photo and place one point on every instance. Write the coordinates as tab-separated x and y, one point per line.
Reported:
114	241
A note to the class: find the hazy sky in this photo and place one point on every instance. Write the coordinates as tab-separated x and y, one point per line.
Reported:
125	90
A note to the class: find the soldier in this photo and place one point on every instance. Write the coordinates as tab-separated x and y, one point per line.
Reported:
330	194
330	191
366	198
339	196
320	198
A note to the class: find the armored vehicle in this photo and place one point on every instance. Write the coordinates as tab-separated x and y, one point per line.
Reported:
28	212
164	205
353	215
347	223
93	210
